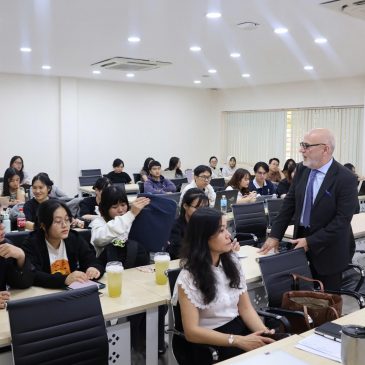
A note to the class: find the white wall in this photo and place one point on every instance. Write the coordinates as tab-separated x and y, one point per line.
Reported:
62	125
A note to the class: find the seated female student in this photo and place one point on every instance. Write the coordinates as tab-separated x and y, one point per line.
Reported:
118	176
41	186
18	164
216	171
284	185
259	183
174	165
145	169
202	177
240	181
15	268
60	255
193	199
109	232
230	167
212	292
89	207
156	183
288	162
12	188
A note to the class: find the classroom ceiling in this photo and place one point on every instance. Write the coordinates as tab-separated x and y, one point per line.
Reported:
71	35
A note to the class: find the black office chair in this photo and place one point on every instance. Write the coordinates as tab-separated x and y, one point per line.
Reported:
62	328
17	237
141	186
276	272
179	182
273	207
180	344
218	184
88	180
91	172
137	177
250	219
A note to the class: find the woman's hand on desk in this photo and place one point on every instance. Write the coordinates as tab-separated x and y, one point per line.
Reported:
4	297
252	341
76	276
92	273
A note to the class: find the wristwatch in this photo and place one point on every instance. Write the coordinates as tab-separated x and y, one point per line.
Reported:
231	339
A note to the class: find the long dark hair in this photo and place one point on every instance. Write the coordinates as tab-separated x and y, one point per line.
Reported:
288	162
46	210
236	178
172	165
196	256
190	196
146	164
21	173
110	196
9	174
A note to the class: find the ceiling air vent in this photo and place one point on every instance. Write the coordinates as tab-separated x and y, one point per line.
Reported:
349	7
129	64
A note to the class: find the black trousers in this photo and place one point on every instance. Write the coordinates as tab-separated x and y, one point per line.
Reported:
330	282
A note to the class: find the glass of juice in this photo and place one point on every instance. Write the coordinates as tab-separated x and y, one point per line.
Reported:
162	261
114	271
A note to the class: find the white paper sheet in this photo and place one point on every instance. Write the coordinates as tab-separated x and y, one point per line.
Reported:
276	357
321	346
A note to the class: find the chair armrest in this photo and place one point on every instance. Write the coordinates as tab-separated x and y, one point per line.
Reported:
282	319
361	272
359	298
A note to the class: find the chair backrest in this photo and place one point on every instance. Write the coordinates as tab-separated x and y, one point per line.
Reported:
276	273
218	182
153	224
172	275
66	327
250	218
273	207
179	182
88	180
137	177
141	186
17	237
173	196
91	172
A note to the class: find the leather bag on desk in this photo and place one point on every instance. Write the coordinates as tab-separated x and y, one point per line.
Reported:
319	307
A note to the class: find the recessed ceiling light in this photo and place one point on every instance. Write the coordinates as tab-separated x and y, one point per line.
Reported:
281	30
130	75
25	49
308	68
212	71
46	67
96	72
213	15
134	39
235	55
197	82
195	48
246	76
320	40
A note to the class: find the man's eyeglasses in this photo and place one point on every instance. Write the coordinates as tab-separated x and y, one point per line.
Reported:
204	177
305	146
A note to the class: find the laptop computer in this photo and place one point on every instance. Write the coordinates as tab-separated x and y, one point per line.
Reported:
231	196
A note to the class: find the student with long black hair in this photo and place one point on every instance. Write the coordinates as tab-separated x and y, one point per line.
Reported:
18	164
12	188
174	165
212	292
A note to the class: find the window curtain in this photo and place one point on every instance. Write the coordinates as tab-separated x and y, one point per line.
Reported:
346	123
254	136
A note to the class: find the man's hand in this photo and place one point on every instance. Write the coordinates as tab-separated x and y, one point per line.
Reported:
271	243
299	243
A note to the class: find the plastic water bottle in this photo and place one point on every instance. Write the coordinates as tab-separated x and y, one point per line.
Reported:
6	222
20	221
224	204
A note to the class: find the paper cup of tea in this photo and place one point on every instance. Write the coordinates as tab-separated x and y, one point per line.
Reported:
114	270
162	262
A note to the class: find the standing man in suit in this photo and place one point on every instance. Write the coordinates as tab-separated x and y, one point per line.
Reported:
322	199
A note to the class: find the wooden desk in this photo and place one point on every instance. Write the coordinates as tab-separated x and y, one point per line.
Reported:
357	224
129	188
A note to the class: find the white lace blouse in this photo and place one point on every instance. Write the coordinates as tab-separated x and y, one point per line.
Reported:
223	308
